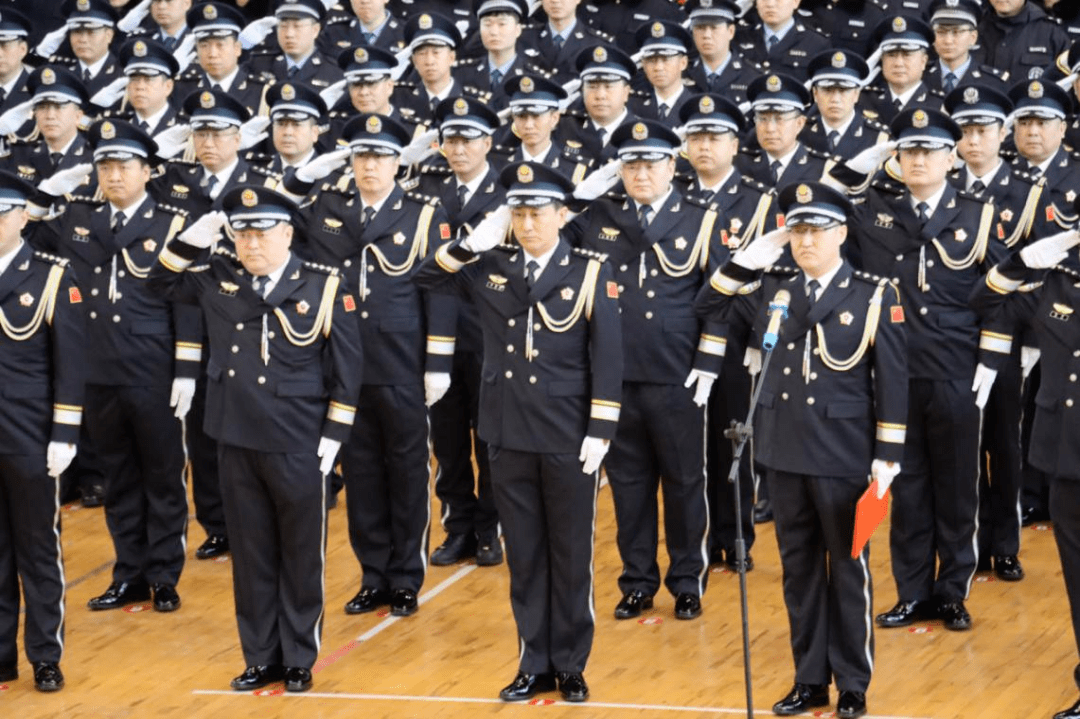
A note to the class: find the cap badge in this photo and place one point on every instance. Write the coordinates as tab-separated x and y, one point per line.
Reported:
360	56
82	5
527	85
899	24
640	131
706	3
706	106
971	95
288	92
920	120
839	60
425	22
373	125
1035	90
657	29
108	130
248	198
773	84
461	107
525	174
803	194
209	12
48	77
952	3
140	49
206	100
599	55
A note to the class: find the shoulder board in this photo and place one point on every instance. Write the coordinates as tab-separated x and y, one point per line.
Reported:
437	169
872	122
869	277
332	188
52	259
887	187
1066	270
466	61
85	199
645	94
509	249
180	162
190	74
782	270
968	197
404	84
265	171
259	157
589	254
226	252
410	184
818	153
423	199
759	186
697	201
178	211
325	269
991	70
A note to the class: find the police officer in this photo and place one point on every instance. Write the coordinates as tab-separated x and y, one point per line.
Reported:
548	409
535	111
606	74
59	99
44	369
836	79
780	42
904	43
284	375
91	28
560	38
433	41
15	30
299	60
501	23
857	18
296	113
664	49
370	88
167	23
1017	36
833	415
1041	109
149	103
371	26
955	24
719	67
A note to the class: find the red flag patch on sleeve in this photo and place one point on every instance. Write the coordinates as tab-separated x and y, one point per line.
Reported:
612	290
444	231
74	296
779	221
1001	232
1050	213
349	302
896	313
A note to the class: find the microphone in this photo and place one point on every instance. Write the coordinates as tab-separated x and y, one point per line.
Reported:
778	311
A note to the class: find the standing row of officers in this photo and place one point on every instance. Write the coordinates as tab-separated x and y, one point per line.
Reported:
546	261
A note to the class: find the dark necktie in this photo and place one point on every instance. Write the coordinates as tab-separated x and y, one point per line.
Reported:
142	125
776	169
834	139
602	132
369	212
369	38
896	103
644	215
215	87
3	95
950	82
1035	171
922	210
293	70
260	284
118	221
708	195
462	193
86	77
664	111
209	183
532	267
55	158
558	41
812	288
715	85
977	187
771	43
169	42
496	78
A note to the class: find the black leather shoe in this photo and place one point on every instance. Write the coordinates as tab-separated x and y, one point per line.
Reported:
120	594
1031	515
257	677
632	605
732	561
9	672
851	705
526	686
954	615
572	686
1008	569
297	679
489	552
763	512
165	598
687	606
1072	712
367	600
48	677
905	613
454	549
403	603
215	546
802	697
93	496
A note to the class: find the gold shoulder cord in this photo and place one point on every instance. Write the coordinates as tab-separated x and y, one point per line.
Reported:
419	246
592	270
873	314
699	256
45	309
757	222
978	248
322	320
1027	216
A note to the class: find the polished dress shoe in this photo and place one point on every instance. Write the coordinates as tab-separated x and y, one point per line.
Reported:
367	600
48	677
120	594
763	512
954	615
165	598
93	496
851	705
297	679
489	552
802	697
9	672
905	613
572	686
403	603
1008	569
632	605
687	606
526	686
215	545
732	561
454	549
1072	712
257	677
1031	515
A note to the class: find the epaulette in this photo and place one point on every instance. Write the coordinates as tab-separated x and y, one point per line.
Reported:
880	184
260	157
965	195
590	254
435	170
532	52
178	211
336	20
1066	270
410	184
699	202
332	187
870	277
819	154
191	73
1009	155
425	199
759	186
874	123
465	61
85	199
405	84
180	161
782	270
52	259
644	94
507	248
226	252
325	269
483	95
998	73
265	172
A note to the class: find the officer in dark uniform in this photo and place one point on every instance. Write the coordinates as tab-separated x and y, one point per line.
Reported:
144	356
166	23
905	43
535	113
379	235
370	26
296	112
664	49
955	24
780	42
830	414
370	88
15	29
91	30
605	73
1041	109
779	104
1017	37
149	103
284	374
934	242
660	244
559	37
44	370
552	375
847	23
713	125
619	20
1037	287
719	68
299	24
836	78
217	27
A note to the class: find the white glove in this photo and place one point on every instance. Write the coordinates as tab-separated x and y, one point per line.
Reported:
183	391
1029	357
403	57
871	158
1049	251
51	42
534	5
204	231
319	167
256	31
744	6
1066	82
491	231
173	141
463	27
134	17
763	251
111	93
704	385
984	380
874	60
333	93
16	117
328	5
328	450
185	53
592	454
599	181
752	361
253	131
435	386
58	456
422	147
884	472
65	181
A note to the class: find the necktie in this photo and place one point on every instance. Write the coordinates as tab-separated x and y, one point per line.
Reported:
714	83
86	77
558	41
55	158
210	182
369	212
3	95
977	187
1034	171
260	285
812	288
369	38
496	78
142	125
776	169
531	269
950	82
664	110
644	215
923	211
834	139
215	87
896	103
293	70
462	195
118	221
771	43
708	195
602	132
169	42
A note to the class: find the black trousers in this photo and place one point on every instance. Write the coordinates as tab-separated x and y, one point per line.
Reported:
548	508
139	446
202	455
1065	513
30	551
829	595
660	443
275	510
1036	485
1000	466
84	472
468	505
730	400
386	465
936	496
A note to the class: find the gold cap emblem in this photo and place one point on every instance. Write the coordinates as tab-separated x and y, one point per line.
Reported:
640	131
82	5
971	95
425	22
706	105
899	24
48	77
139	50
1035	90
599	55
248	198
460	107
839	60
803	194
527	85
360	56
525	174
373	125
206	100
920	120
108	130
288	92
773	84
657	29
209	12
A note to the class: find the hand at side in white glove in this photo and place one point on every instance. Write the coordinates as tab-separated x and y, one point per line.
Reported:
58	456
328	451
704	382
752	361
1049	251
763	251
490	232
183	391
984	380
592	454
884	472
1029	357
205	230
435	386
65	181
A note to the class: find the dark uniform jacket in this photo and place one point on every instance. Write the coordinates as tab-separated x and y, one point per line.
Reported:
476	73
847	23
415	97
246	88
861	134
560	61
1062	184
318	71
345	30
734	79
645	105
1023	45
620	19
181	184
791	55
806	164
977	75
747	206
877	102
33	163
567	157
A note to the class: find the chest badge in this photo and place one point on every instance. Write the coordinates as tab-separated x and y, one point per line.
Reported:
1007	215
846	318
1070	196
229	289
82	234
567	293
609	234
736	225
1061	312
399	238
497	283
149	245
680	243
302	307
960	235
884	220
26	299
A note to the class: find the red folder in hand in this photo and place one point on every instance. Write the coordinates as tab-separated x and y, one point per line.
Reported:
869	513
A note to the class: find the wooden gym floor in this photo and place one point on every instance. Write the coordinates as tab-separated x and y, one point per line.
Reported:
450	659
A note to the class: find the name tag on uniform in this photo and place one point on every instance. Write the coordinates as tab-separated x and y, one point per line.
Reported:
497	283
1061	312
884	220
228	289
82	234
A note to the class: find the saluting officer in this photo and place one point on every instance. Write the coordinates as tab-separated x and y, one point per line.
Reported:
15	30
955	24
559	40
43	366
831	413
549	404
1041	109
91	28
148	103
296	112
370	26
501	22
299	60
837	78
606	74
284	374
904	43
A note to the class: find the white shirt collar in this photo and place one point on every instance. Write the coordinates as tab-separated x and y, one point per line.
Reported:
657	204
718	185
222	176
611	127
784	161
718	70
474	184
7	259
932	201
565	34
378	203
906	96
843	126
542	260
128	212
306	159
63	150
10	87
971	178
274	277
153	120
540	157
781	33
225	84
445	93
824	280
95	68
959	72
670	101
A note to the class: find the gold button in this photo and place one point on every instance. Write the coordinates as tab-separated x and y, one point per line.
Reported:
270	335
509	374
232	373
813	375
929	263
536	327
1068	403
654	273
364	314
235	349
509	348
261	380
899	258
791	345
622	268
784	395
97	270
532	380
347	263
648	315
923	310
116	318
93	315
809	400
511	322
120	273
1072	378
94	292
650	294
787	370
240	326
536	353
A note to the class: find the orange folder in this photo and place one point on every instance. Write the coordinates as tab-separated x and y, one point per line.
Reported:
869	513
